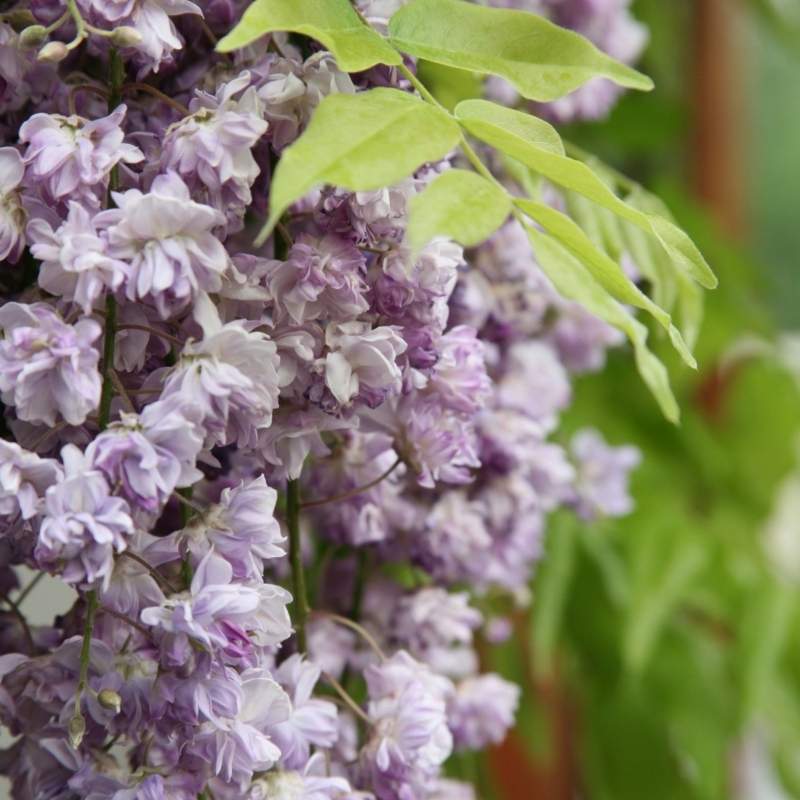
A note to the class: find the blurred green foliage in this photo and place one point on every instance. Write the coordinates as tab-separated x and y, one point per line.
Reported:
671	630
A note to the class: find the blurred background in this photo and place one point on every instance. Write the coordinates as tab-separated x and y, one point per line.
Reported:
661	652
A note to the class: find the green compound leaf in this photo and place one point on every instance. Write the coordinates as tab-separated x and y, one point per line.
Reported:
606	271
333	23
575	282
521	135
361	142
458	204
541	60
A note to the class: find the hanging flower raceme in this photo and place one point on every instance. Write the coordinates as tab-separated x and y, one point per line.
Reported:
296	486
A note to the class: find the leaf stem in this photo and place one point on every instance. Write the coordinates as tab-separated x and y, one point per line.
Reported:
133	326
354	626
20	617
159	578
107	392
127	621
293	506
144	87
349	702
354	492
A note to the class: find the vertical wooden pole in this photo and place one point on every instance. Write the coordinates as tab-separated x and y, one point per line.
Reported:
718	143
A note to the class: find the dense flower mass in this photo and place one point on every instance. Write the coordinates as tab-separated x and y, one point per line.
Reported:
203	437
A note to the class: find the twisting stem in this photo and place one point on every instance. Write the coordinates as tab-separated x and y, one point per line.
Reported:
354	626
144	87
349	702
50	431
127	621
121	390
29	588
152	331
154	572
85	87
20	617
296	561
77	726
357	490
182	498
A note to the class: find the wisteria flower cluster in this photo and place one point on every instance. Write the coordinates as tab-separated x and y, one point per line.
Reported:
285	482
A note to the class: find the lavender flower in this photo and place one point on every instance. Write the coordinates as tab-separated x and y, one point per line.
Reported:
150	454
323	277
84	526
12	214
46	366
75	264
233	376
481	711
602	483
167	239
211	149
410	739
312	721
361	362
24	478
70	158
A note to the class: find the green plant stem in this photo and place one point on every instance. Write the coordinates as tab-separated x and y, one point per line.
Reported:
296	561
187	508
77	725
116	74
107	393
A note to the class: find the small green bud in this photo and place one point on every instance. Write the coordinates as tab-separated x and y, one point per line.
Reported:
76	729
109	699
125	36
53	52
33	37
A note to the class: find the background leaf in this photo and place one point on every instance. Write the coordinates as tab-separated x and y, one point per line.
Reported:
607	271
575	282
333	23
361	142
461	205
540	59
520	136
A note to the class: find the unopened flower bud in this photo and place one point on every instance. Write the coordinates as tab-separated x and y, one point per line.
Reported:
109	699
77	727
53	52
33	37
125	36
21	18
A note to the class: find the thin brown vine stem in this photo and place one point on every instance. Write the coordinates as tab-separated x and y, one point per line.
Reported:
85	87
354	492
349	702
353	626
29	588
285	235
121	390
20	617
144	87
152	331
45	436
152	570
127	621
187	502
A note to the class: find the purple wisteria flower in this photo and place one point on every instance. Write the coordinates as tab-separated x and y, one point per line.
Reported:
12	214
75	263
334	405
148	455
84	526
70	158
167	240
233	376
46	366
